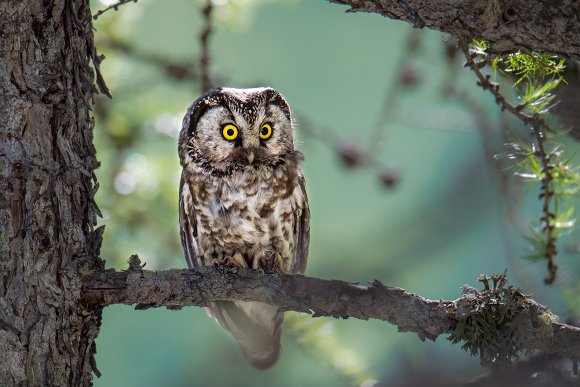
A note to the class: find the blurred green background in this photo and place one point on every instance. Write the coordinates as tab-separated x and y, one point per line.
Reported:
451	213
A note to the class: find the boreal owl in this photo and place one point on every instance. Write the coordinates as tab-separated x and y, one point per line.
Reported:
242	202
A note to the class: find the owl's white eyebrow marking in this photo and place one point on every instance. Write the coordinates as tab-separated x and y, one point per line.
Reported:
248	105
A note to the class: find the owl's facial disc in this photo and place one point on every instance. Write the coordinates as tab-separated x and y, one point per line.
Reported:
238	128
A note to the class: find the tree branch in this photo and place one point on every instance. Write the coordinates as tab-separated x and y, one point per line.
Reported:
530	25
176	288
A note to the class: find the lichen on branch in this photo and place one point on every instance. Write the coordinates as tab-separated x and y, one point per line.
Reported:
485	320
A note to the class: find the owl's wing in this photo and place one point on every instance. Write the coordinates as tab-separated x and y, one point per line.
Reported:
187	226
301	229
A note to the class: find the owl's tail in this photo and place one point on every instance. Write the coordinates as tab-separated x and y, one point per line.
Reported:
255	326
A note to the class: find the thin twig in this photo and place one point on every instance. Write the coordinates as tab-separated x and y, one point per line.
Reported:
405	76
539	129
205	58
112	6
178	70
547	193
351	153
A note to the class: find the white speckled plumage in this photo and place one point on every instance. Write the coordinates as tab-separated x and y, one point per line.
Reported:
237	208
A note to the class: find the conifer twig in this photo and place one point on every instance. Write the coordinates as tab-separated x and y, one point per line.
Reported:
539	129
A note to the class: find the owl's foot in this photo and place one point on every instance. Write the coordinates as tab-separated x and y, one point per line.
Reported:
229	267
237	260
272	265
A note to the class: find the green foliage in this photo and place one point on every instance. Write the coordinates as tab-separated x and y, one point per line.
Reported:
534	65
564	186
531	66
479	47
538	98
541	72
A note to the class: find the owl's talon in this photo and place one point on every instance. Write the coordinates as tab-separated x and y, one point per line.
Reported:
272	265
224	268
219	265
237	260
229	267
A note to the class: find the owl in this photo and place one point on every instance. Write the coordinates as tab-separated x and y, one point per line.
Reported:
242	202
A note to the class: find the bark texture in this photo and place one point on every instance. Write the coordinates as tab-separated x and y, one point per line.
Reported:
409	312
548	26
47	211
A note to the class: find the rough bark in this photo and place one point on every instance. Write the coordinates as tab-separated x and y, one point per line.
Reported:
548	26
47	211
410	313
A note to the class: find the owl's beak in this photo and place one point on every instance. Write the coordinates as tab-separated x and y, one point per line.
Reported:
250	157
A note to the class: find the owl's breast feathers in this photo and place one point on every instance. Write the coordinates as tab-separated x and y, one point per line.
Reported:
255	212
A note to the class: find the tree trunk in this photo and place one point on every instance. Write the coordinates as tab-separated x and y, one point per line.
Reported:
47	185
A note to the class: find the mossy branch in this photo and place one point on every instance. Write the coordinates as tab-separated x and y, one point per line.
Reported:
536	328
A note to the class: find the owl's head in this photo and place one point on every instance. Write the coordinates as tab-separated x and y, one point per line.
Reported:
230	129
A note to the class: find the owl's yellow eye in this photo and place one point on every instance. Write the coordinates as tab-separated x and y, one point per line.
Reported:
265	131
230	132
